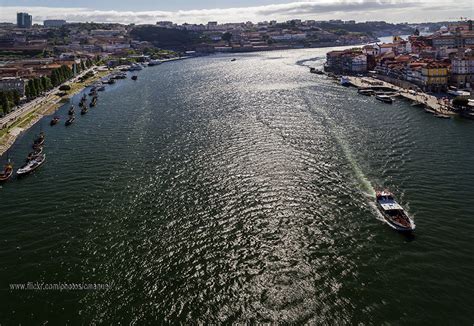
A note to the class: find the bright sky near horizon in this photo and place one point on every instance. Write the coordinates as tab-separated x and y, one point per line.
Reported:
192	11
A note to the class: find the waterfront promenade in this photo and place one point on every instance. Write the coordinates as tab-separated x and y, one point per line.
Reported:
33	105
22	118
25	116
431	102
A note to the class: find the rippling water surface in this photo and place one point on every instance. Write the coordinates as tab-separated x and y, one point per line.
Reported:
218	191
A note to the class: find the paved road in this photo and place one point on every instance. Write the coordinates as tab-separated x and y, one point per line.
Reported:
428	100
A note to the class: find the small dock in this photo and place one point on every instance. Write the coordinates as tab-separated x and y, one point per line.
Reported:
429	101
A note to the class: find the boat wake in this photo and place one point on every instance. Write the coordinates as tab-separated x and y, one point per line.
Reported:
365	185
318	60
364	182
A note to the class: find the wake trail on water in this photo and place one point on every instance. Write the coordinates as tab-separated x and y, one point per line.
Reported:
310	60
364	183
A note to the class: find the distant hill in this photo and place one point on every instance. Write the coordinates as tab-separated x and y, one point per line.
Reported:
165	38
374	28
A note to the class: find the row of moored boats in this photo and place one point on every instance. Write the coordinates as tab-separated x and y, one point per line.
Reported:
34	160
386	97
83	105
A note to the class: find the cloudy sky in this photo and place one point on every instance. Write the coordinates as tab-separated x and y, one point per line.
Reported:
193	11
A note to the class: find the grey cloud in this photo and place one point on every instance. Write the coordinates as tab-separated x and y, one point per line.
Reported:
344	6
390	10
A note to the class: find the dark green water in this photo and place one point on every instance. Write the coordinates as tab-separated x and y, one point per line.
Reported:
218	191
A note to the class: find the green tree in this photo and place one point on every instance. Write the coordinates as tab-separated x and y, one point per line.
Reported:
38	86
48	82
5	103
16	97
27	91
57	73
44	84
460	102
32	87
66	72
54	78
227	36
61	75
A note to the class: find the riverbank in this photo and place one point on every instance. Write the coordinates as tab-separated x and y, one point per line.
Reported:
175	59
430	102
45	105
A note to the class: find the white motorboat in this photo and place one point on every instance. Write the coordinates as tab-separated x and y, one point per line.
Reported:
393	213
31	165
154	63
135	67
384	98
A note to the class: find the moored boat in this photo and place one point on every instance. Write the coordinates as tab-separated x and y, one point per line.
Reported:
384	98
93	102
429	110
418	104
154	63
135	66
366	91
40	140
70	120
54	121
37	152
393	214
84	110
134	77
7	172
442	116
71	110
456	92
101	89
31	165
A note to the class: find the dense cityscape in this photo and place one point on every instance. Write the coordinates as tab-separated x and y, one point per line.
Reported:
431	62
438	57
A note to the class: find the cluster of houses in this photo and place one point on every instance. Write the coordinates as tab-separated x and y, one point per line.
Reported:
43	48
271	35
430	62
14	75
32	52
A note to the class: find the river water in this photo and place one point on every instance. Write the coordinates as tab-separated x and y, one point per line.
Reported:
218	191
